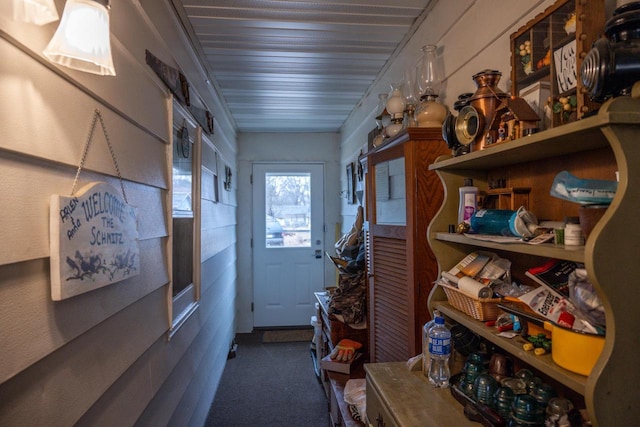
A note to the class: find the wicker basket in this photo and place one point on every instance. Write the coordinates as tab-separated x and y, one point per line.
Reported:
480	309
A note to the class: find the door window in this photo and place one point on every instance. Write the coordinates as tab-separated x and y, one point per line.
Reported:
288	210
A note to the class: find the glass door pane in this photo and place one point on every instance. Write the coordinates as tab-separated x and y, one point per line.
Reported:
288	210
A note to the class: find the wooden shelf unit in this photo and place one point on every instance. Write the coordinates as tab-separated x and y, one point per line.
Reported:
592	148
333	330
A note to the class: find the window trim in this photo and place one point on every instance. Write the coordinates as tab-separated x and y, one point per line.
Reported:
186	302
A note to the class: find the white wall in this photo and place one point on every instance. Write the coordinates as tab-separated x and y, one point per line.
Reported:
102	357
282	147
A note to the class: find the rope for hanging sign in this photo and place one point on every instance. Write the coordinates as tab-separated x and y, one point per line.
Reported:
97	115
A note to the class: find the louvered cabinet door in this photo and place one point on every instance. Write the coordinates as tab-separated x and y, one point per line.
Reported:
389	296
403	196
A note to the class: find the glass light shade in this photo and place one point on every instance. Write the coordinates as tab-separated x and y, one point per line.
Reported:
82	40
429	78
411	101
382	116
39	12
395	103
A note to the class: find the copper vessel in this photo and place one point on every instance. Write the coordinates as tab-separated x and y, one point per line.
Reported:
486	100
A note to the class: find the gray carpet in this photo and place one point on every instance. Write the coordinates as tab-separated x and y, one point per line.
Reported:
269	385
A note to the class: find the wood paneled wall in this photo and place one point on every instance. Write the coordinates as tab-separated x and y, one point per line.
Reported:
103	357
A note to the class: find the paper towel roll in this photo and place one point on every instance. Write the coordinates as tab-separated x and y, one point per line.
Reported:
474	288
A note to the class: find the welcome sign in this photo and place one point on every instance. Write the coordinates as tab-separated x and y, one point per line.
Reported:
94	240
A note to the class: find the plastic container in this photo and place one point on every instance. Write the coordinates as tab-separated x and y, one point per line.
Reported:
573	232
493	221
439	352
317	326
575	351
468	201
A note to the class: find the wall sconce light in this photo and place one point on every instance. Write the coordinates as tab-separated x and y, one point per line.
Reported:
82	40
39	12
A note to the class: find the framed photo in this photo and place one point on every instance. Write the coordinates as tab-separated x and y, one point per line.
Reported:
351	184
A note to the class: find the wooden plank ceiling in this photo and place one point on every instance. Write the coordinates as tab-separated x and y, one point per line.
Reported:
297	65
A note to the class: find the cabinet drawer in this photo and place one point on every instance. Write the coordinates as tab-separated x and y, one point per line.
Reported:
399	397
376	412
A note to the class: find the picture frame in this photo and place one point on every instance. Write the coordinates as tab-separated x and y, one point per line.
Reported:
545	52
351	184
227	178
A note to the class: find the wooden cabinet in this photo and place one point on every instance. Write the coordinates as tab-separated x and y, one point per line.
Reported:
398	397
592	148
402	197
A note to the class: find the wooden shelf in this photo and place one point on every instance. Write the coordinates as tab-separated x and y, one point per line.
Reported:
340	413
514	346
575	137
549	250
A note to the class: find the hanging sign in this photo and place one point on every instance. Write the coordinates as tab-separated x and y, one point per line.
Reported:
94	240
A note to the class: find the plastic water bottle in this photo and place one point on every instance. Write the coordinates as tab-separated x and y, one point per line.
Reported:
439	352
426	359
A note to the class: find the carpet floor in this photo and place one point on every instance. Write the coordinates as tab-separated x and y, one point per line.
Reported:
270	385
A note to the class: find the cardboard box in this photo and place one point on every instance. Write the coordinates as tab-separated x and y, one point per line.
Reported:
335	366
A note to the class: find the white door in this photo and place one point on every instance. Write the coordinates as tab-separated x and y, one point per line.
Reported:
288	258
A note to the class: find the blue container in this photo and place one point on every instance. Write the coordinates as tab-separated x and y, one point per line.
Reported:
499	222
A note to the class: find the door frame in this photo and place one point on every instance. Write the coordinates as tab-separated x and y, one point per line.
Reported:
317	238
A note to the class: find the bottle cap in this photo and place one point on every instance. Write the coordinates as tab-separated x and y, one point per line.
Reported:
440	320
468	182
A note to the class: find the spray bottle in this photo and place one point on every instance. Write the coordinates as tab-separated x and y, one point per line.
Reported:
468	201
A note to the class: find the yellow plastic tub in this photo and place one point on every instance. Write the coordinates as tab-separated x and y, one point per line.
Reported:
574	351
